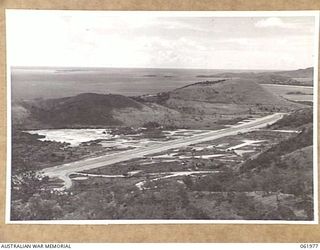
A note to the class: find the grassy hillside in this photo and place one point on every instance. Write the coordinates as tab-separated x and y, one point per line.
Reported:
264	160
295	120
238	91
81	110
231	96
97	110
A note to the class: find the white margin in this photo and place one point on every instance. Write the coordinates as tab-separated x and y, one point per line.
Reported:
9	127
309	13
315	119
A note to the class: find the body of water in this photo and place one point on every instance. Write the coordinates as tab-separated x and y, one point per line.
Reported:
31	83
73	136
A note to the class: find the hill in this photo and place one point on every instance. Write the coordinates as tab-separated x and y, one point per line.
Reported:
230	96
198	105
292	77
273	154
238	91
299	73
91	110
83	109
296	120
262	78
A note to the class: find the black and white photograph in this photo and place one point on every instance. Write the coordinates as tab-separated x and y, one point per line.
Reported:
162	117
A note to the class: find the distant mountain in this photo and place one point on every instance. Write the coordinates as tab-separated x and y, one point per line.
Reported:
262	78
293	77
299	73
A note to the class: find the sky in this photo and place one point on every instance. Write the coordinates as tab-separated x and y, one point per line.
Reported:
153	40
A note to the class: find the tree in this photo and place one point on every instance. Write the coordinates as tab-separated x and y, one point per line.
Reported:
25	185
31	198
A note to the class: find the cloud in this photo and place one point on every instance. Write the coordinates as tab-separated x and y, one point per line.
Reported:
273	22
112	40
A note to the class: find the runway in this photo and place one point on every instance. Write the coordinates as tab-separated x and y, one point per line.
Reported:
63	171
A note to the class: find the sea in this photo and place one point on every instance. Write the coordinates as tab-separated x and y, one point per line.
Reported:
28	83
